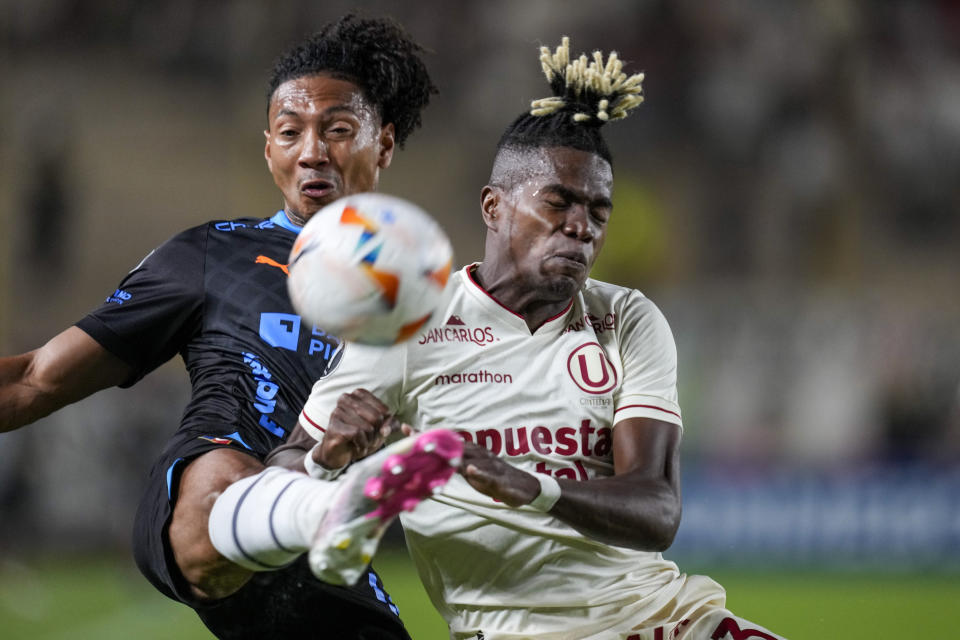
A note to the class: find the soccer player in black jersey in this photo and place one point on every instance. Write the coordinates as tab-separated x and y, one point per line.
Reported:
339	104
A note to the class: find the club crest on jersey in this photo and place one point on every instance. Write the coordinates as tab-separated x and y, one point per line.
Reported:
456	330
591	369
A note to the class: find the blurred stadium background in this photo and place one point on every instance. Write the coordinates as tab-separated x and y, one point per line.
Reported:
789	195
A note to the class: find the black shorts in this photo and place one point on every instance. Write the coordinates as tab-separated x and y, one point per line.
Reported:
289	603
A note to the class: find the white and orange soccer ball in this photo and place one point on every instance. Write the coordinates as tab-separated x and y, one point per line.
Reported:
369	268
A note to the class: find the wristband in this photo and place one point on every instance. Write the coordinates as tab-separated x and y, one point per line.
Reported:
317	470
549	493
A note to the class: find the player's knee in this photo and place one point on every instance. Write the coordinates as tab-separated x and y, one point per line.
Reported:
215	580
209	574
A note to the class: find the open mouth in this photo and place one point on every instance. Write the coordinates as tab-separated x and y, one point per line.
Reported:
316	188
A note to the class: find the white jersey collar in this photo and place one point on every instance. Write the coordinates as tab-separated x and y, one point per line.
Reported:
507	316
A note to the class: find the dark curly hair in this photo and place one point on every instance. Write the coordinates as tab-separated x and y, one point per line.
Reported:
374	53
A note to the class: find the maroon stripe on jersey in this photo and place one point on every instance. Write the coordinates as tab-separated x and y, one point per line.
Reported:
307	418
647	406
470	277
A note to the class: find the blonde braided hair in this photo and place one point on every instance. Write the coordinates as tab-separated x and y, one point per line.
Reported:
593	89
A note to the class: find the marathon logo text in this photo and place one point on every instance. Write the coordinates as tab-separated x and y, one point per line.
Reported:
480	336
474	377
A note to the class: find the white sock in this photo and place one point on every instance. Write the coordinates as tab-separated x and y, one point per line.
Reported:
263	522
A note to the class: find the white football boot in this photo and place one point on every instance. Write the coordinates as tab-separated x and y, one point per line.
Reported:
373	492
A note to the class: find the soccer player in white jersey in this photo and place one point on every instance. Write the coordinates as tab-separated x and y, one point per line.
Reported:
563	390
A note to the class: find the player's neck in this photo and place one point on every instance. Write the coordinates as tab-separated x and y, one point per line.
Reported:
527	302
294	218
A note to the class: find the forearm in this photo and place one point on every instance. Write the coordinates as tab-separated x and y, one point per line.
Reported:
21	400
289	456
292	453
638	507
71	366
638	513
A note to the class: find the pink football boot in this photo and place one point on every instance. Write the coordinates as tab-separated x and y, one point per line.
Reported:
373	492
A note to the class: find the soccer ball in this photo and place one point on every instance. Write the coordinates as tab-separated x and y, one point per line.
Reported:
370	268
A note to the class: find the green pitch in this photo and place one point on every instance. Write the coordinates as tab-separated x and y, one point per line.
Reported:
105	598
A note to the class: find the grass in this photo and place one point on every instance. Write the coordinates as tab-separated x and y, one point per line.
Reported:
845	605
74	598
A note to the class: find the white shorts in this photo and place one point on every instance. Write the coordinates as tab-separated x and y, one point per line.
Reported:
698	612
695	611
714	624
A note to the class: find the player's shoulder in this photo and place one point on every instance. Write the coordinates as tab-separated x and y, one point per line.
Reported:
218	235
625	303
607	293
196	238
223	225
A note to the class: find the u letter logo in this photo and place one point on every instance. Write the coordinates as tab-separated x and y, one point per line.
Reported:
591	369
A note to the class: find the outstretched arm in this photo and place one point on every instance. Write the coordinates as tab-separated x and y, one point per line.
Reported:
69	367
638	507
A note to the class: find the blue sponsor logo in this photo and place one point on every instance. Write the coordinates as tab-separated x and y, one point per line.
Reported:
323	343
269	223
280	330
265	401
229	226
119	297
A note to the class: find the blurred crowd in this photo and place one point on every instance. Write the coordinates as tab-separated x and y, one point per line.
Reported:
789	195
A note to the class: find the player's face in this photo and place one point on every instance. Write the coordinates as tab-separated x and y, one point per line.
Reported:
324	141
555	220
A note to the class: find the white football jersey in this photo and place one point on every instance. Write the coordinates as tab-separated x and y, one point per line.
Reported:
547	402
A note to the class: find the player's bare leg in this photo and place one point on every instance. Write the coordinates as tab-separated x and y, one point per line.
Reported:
211	576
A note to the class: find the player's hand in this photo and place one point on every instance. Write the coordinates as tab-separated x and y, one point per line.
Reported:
358	427
496	478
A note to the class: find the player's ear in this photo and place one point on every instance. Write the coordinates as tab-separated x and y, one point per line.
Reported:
490	199
266	150
387	145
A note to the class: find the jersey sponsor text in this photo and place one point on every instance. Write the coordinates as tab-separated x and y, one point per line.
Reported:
607	323
118	297
266	392
477	335
474	377
566	441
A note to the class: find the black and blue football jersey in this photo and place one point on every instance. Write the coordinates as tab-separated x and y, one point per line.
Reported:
217	295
